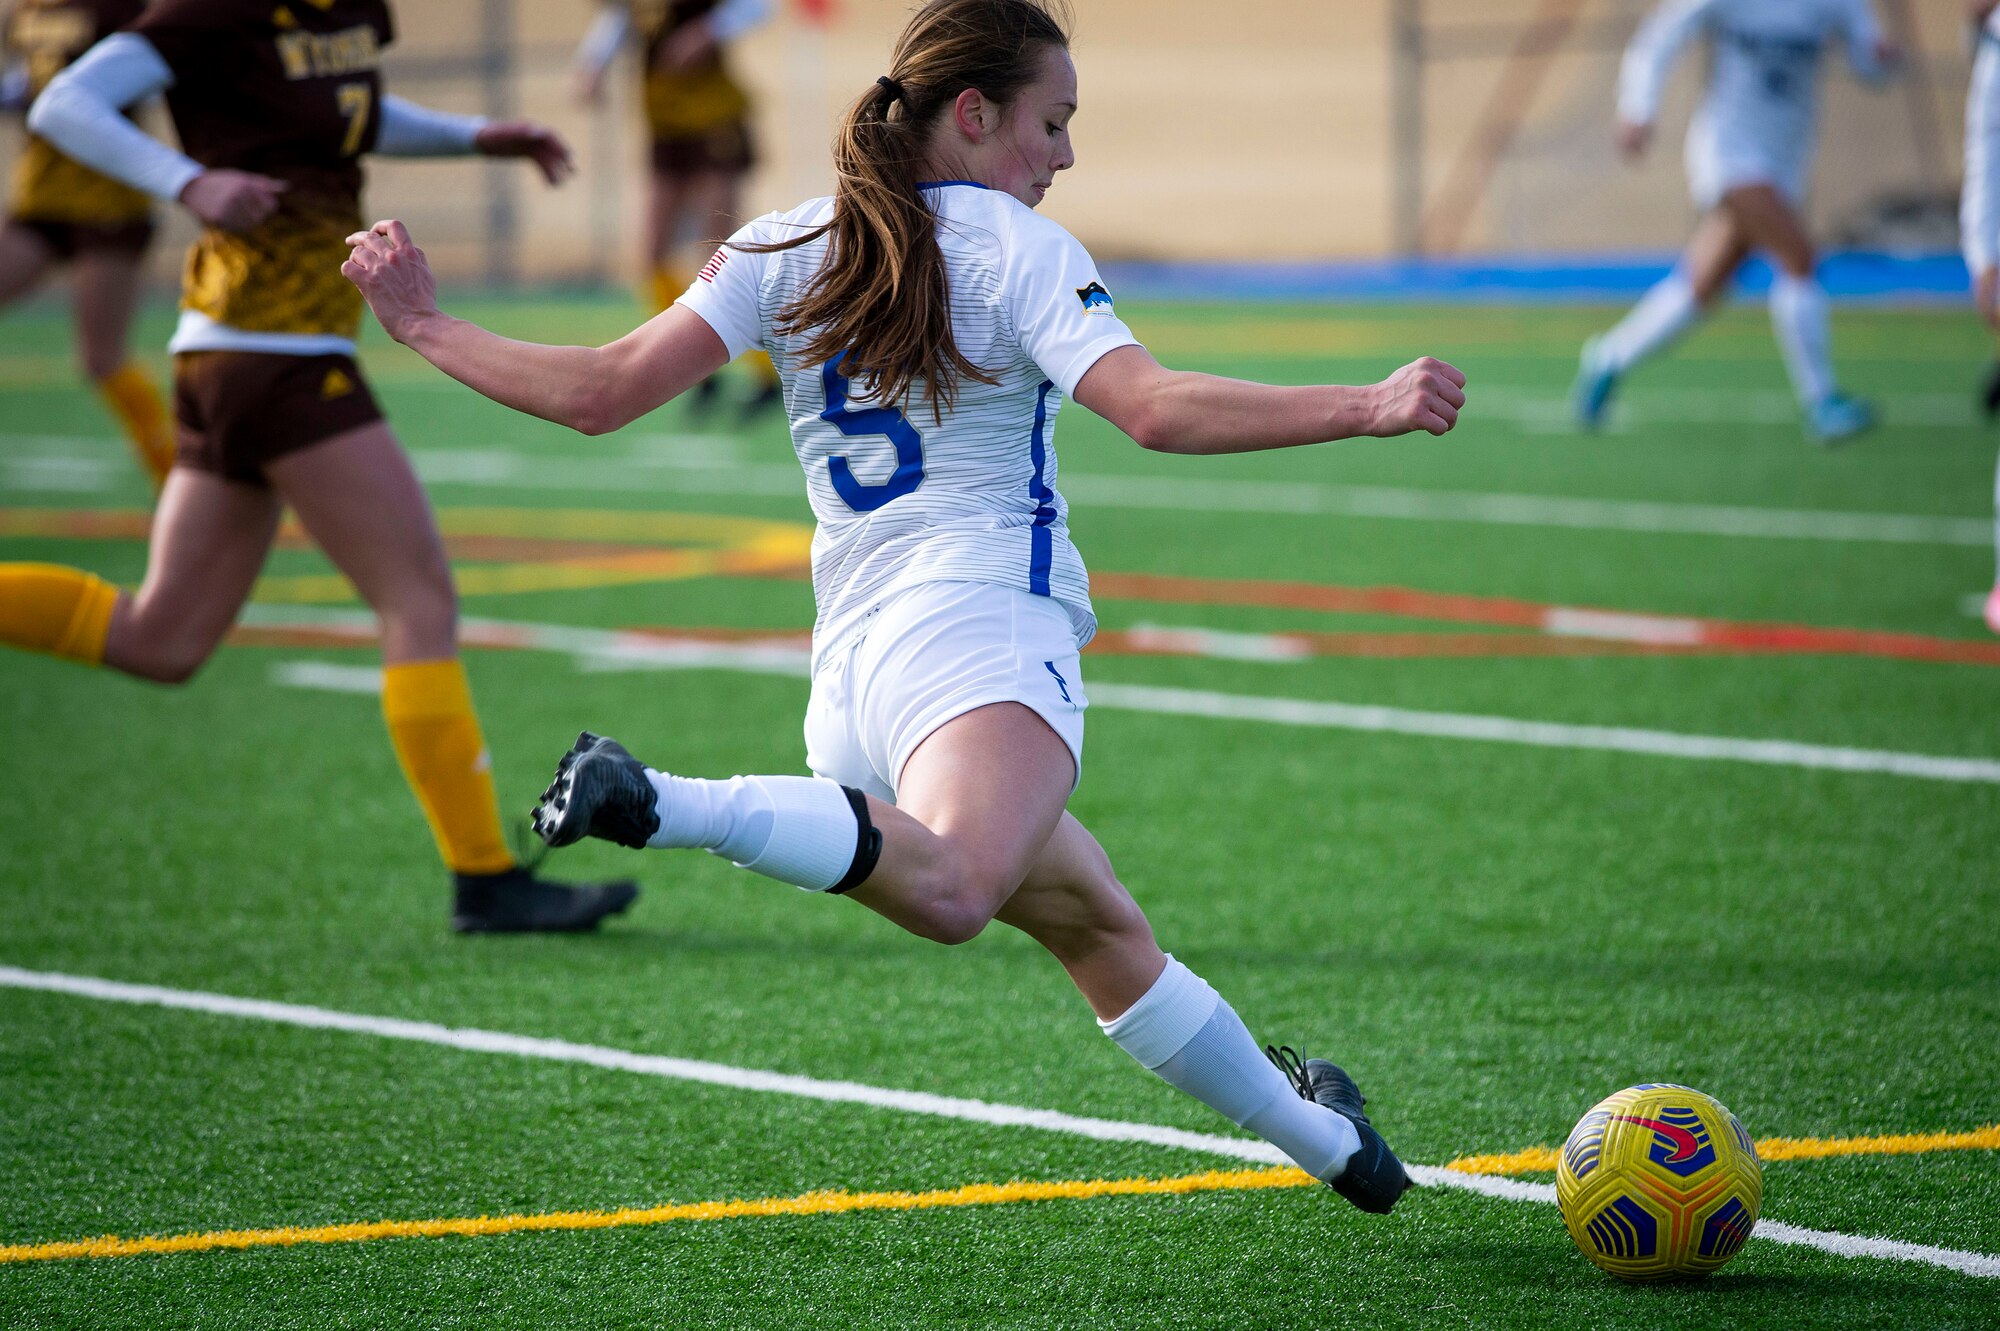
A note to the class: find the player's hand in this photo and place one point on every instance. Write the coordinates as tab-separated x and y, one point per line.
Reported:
1426	394
232	200
524	138
1634	137
689	45
1986	295
394	277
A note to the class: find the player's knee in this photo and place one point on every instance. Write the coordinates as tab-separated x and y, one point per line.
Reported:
423	605
165	662
952	920
962	897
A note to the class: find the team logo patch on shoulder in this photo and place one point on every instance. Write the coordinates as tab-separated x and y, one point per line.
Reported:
1096	300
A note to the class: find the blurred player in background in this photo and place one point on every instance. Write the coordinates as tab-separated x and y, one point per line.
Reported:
61	212
1749	150
698	116
275	103
931	326
1979	216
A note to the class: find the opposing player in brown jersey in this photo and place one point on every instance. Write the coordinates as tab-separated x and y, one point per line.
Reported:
698	119
59	211
275	102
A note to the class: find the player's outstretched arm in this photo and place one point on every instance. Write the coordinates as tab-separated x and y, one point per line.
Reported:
590	389
411	130
1177	411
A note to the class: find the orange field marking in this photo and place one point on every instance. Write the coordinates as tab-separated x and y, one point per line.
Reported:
568	549
1542	1159
811	1203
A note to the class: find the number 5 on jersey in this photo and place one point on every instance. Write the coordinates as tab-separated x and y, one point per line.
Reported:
861	422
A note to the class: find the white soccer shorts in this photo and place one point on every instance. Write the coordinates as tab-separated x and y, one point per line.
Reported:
1718	161
931	653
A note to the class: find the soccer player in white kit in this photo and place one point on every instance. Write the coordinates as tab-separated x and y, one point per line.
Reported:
1749	147
929	326
1979	216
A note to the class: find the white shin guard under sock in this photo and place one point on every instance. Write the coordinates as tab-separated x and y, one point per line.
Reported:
1799	318
1182	1030
797	829
1662	315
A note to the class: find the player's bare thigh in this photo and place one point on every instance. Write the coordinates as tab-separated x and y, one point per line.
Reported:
977	803
359	499
1768	222
25	259
105	291
1714	253
210	537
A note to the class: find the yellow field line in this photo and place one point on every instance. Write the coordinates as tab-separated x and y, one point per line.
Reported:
1540	1159
811	1203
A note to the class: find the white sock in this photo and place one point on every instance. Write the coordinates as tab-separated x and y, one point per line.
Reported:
1184	1031
1662	315
796	829
1799	317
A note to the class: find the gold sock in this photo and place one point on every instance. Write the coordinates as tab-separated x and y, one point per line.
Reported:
761	370
664	285
428	706
54	610
143	416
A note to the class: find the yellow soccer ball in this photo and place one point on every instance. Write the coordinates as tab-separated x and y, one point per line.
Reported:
1658	1182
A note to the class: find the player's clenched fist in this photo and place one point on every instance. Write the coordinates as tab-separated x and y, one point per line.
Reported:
1426	394
393	275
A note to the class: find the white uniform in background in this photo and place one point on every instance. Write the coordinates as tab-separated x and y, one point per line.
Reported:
1979	205
1755	126
942	565
1756	121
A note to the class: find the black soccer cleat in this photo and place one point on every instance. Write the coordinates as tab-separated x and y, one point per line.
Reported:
1989	391
514	901
1374	1178
600	790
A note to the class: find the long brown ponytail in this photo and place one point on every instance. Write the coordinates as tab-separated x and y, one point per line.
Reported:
880	297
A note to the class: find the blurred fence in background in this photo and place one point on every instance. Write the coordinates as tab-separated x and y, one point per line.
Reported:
1266	130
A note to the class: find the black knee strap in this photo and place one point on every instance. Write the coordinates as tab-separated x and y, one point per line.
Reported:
867	844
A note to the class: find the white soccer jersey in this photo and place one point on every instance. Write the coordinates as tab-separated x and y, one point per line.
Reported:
1756	119
902	499
1979	204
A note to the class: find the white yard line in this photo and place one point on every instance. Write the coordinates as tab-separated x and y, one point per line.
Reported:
472	1040
655	465
606	650
1541	734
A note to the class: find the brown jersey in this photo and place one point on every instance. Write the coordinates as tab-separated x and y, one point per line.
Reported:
48	187
689	102
285	88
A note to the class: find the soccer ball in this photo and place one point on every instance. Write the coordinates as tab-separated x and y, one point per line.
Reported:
1659	1181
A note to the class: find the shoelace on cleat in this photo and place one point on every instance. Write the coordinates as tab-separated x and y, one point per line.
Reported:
1293	1064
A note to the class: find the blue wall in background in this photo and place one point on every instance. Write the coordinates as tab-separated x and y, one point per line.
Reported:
1875	278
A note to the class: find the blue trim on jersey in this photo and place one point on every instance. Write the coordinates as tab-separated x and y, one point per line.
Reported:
940	184
1041	543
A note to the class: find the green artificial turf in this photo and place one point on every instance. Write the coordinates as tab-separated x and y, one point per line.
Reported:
1490	936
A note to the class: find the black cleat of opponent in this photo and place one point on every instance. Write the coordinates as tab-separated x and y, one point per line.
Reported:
600	790
1374	1178
514	901
1989	391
